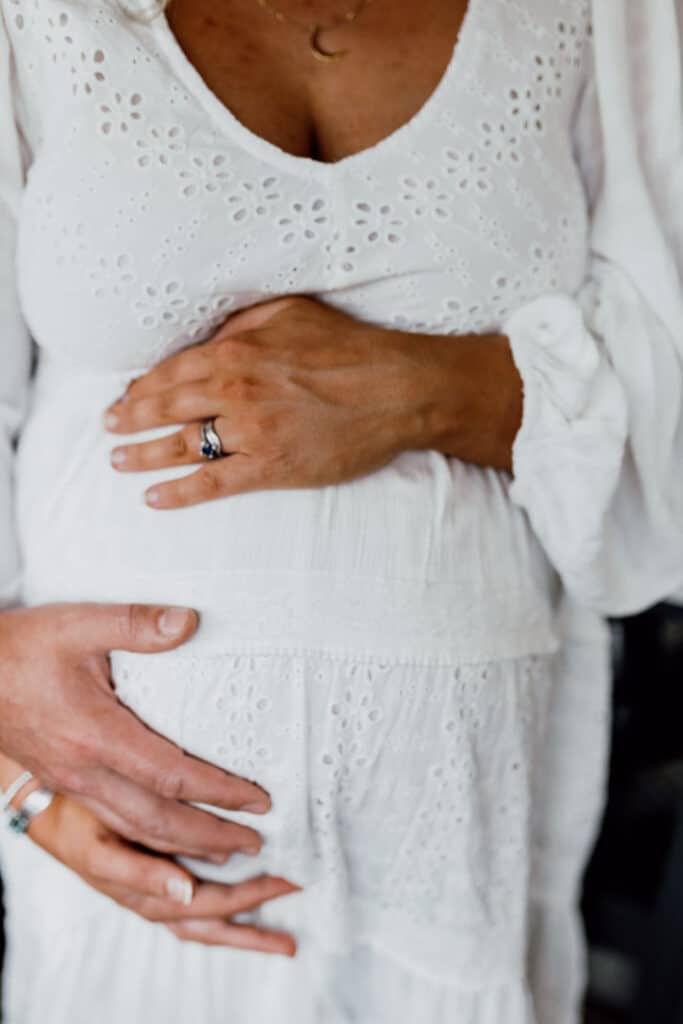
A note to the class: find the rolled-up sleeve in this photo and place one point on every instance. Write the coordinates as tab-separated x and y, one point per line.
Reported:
15	343
598	460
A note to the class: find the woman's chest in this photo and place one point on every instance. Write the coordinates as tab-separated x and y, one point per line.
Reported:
322	91
151	211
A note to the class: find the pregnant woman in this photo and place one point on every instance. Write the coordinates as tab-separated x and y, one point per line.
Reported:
357	332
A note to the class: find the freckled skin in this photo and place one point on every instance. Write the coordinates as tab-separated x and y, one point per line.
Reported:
264	72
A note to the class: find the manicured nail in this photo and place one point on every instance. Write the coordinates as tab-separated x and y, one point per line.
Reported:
118	456
152	497
180	890
173	621
111	420
259	807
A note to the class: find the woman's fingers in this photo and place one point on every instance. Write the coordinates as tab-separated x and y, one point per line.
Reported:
74	836
222	477
191	400
209	900
238	936
182	448
215	900
157	888
112	862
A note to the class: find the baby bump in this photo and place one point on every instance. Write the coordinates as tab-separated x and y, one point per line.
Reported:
424	557
401	791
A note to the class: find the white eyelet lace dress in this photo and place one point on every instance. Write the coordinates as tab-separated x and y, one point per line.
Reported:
415	663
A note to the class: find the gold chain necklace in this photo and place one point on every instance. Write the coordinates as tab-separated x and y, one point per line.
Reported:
315	30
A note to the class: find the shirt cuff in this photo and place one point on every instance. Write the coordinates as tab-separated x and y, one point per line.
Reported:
568	453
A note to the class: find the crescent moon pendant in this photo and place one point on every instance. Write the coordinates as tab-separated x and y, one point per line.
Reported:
318	52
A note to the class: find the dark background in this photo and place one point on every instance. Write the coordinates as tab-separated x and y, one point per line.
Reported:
633	898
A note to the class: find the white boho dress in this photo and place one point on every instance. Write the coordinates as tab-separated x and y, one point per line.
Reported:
415	663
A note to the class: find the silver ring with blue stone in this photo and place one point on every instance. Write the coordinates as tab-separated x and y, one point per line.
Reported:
211	445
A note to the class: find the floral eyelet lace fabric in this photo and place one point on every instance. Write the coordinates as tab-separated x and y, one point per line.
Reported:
387	657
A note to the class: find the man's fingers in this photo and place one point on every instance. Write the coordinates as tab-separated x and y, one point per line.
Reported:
239	936
112	820
93	628
169	825
149	760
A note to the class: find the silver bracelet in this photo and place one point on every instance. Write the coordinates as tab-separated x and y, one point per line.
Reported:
35	803
9	794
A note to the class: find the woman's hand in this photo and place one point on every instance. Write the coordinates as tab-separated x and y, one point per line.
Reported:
156	887
59	717
306	396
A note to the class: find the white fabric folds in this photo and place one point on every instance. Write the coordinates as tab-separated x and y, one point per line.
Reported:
598	462
14	340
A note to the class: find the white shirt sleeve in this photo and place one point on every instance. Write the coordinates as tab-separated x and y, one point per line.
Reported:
598	460
15	343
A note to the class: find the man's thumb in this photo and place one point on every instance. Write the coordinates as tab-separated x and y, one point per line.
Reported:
129	627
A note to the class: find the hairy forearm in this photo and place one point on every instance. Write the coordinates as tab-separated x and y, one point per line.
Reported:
467	396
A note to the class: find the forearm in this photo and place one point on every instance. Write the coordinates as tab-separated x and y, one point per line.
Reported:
467	395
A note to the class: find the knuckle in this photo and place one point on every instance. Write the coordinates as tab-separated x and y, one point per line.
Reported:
141	826
178	445
231	350
288	303
159	827
171	785
135	620
67	779
156	828
243	347
211	485
160	404
243	388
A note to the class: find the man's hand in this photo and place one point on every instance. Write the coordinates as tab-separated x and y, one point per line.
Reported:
60	718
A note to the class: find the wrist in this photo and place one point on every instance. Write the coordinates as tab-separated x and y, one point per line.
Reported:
466	397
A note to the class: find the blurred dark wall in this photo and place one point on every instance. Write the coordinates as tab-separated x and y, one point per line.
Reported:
633	900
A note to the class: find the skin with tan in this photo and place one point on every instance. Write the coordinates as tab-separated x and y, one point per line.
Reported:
303	396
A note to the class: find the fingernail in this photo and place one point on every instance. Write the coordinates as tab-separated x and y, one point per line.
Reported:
118	456
152	497
110	420
251	850
259	807
180	890
173	620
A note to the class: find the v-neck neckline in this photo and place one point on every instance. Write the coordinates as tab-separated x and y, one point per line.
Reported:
273	154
